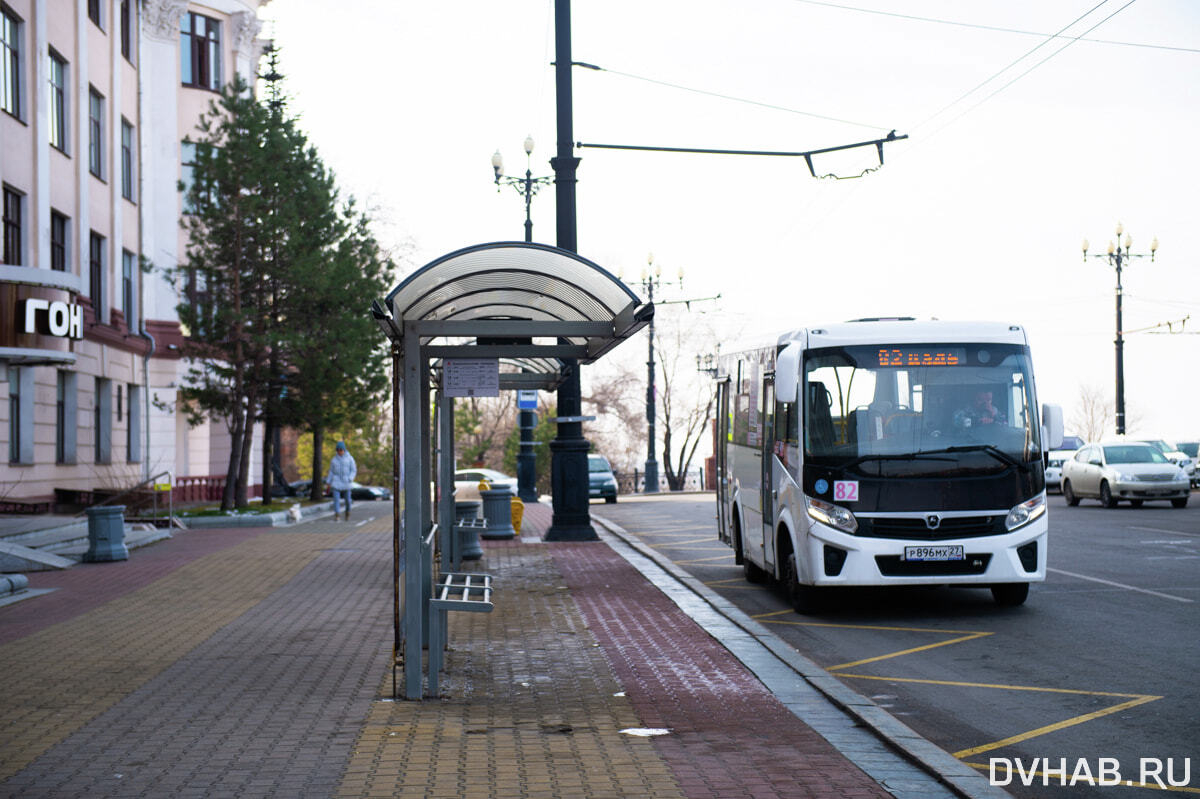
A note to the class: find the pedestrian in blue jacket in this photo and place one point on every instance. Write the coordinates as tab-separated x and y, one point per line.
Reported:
342	471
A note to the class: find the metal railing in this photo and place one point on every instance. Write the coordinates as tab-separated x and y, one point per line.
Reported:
154	494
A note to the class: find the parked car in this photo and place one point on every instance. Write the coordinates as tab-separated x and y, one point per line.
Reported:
601	480
1176	456
466	481
303	487
1072	443
1192	450
1054	462
1133	471
360	491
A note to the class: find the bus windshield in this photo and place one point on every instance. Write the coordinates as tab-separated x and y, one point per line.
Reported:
914	410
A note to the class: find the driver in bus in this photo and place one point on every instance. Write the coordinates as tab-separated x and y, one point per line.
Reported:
980	411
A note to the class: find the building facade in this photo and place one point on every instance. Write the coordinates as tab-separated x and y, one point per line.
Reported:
96	99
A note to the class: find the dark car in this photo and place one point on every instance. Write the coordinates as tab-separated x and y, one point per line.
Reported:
601	480
360	491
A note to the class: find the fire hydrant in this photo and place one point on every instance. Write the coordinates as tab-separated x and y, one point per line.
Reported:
518	512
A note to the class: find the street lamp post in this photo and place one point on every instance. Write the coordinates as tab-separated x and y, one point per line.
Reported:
1117	256
526	419
527	186
652	279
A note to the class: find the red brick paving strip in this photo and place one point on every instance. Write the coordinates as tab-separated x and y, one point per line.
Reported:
89	585
730	737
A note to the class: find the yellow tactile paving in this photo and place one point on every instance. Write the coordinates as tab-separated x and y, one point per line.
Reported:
529	709
60	678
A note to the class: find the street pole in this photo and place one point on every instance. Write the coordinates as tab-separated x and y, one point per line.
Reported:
651	486
571	520
526	419
1117	258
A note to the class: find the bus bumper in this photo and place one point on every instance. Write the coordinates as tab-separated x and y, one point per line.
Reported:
838	558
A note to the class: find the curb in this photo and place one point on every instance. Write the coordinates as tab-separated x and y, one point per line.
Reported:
935	761
277	519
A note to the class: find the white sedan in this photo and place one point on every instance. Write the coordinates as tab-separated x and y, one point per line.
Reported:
1123	470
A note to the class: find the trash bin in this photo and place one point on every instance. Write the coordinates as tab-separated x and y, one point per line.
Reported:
468	543
106	534
497	509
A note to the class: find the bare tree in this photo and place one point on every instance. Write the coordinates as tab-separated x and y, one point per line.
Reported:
1093	413
616	397
685	398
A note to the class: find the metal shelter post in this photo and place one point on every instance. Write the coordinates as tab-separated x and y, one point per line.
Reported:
451	556
414	625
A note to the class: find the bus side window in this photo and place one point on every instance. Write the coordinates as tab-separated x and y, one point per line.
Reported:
741	419
787	427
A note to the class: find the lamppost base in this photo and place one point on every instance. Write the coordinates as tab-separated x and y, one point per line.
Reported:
651	485
571	520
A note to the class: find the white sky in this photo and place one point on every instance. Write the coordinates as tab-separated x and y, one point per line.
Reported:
980	214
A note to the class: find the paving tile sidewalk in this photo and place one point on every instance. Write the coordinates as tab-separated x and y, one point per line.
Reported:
256	663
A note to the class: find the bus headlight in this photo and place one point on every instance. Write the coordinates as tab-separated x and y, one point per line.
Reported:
835	516
1026	512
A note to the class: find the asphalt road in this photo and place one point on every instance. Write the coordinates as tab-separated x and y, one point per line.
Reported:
1098	672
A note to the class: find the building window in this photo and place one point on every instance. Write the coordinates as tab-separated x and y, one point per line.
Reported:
14	414
126	159
94	12
58	241
126	30
102	420
12	226
200	51
64	418
96	133
127	296
58	102
10	62
133	441
96	274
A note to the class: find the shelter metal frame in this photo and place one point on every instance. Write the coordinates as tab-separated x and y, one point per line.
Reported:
532	307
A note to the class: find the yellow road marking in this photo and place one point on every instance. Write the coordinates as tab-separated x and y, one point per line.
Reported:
705	560
671	544
1049	728
960	639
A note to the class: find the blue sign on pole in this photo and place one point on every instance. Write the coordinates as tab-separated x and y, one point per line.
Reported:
527	400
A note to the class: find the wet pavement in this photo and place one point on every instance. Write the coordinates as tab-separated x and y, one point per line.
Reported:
256	662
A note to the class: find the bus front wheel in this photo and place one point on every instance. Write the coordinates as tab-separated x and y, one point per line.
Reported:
805	599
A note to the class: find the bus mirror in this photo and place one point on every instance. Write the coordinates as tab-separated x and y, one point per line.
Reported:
787	373
1052	426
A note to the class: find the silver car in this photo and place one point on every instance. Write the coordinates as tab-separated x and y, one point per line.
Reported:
1123	470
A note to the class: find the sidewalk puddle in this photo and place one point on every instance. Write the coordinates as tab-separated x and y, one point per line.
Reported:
646	732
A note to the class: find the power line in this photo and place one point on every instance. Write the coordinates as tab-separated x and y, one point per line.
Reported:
736	99
1028	53
996	28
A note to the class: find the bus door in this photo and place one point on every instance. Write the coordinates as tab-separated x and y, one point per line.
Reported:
724	432
767	493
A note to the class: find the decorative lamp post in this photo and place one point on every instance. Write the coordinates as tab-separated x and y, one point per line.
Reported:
527	186
651	279
1117	255
526	418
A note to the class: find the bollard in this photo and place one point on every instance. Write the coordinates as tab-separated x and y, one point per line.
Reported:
497	509
106	534
468	545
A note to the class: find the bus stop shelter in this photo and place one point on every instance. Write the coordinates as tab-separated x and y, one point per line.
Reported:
537	309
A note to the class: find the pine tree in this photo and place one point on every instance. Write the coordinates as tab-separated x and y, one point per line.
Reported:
276	284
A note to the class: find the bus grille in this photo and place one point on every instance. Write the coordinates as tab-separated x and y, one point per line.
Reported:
893	566
916	528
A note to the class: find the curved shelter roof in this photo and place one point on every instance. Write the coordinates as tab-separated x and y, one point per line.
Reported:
497	300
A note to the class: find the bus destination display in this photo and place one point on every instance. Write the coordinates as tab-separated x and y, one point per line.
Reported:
922	356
